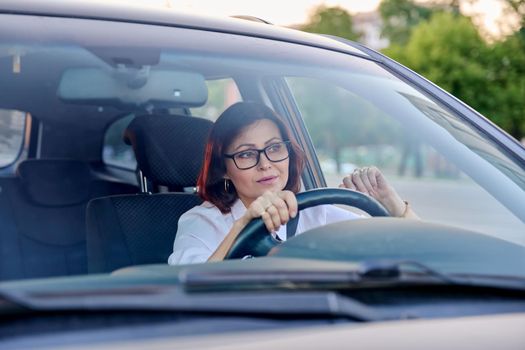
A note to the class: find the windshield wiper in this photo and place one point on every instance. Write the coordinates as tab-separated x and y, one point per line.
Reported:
166	299
368	273
255	292
226	293
395	269
373	273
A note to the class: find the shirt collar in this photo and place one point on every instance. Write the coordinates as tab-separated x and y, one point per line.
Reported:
238	209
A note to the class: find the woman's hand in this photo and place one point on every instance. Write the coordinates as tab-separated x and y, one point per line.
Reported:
275	209
370	181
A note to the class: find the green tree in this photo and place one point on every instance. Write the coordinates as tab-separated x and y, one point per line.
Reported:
331	20
506	84
448	50
399	17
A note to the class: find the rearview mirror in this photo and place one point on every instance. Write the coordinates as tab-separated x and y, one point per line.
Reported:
132	87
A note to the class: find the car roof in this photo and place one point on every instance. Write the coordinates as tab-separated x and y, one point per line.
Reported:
171	17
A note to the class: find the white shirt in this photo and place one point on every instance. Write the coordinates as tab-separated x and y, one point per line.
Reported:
202	228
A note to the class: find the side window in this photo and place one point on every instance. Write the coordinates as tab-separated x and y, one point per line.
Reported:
222	93
12	126
116	152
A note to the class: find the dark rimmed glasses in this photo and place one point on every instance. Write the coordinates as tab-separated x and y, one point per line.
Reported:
248	158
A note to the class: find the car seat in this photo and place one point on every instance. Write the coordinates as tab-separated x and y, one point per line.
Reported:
43	211
140	229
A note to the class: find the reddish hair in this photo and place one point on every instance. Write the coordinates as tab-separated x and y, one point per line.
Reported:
227	127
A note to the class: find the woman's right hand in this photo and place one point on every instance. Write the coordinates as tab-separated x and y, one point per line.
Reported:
275	209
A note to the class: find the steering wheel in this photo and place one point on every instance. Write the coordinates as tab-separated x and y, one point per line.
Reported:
255	240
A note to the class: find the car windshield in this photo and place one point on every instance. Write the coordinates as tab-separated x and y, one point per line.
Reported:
69	91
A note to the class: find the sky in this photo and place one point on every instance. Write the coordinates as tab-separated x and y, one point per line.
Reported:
280	12
287	12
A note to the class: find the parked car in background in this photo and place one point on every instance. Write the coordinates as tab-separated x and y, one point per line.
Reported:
104	112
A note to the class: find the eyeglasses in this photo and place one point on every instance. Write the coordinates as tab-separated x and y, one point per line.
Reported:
247	159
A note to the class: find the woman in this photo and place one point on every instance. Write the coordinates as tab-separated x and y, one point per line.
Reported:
252	169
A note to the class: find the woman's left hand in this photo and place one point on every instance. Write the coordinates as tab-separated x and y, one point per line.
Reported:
370	181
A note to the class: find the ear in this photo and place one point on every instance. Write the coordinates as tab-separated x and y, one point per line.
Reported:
226	177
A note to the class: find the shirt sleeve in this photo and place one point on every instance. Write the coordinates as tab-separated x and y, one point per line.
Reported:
198	236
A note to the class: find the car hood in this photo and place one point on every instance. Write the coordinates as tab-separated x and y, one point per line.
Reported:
482	332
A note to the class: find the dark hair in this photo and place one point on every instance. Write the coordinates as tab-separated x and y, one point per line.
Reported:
227	127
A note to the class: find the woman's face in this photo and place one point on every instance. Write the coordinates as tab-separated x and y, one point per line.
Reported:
266	175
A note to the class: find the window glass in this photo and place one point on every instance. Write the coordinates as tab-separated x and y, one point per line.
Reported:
349	131
12	124
357	112
78	80
116	152
222	93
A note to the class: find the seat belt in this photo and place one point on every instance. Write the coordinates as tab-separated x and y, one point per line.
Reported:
291	227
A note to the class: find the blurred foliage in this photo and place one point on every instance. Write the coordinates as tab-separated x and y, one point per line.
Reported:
436	40
331	20
506	84
399	17
447	49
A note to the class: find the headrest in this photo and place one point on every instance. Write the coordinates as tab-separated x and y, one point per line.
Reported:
55	182
169	149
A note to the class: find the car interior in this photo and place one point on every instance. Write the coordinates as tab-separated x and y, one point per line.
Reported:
44	216
70	205
66	212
